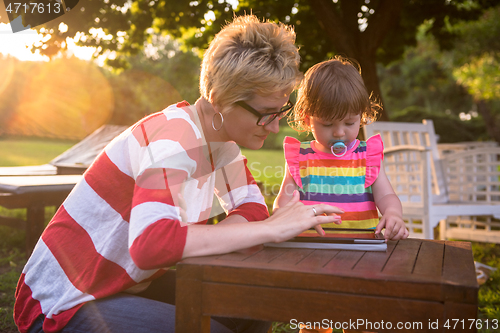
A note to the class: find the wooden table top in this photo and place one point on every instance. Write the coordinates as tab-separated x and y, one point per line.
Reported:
413	268
32	170
31	184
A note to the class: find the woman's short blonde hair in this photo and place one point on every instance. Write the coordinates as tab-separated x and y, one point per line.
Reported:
330	90
249	57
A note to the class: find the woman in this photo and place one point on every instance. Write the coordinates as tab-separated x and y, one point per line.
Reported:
143	204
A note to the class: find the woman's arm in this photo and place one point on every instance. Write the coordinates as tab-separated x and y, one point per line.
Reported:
285	223
390	207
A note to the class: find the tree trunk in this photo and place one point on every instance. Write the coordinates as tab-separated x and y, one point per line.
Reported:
340	24
370	77
483	108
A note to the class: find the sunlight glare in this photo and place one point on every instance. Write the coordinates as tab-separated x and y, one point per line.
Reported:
7	66
65	98
19	44
63	27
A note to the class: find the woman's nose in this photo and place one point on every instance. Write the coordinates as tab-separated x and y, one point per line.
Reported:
273	126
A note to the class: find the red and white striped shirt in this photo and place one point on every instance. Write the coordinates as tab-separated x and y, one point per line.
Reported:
121	225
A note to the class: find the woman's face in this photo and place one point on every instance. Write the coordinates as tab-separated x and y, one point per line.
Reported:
241	126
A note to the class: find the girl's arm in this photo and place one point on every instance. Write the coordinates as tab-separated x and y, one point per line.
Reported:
390	207
288	186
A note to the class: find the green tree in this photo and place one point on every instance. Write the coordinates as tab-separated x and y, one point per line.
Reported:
166	60
476	61
369	31
422	79
158	76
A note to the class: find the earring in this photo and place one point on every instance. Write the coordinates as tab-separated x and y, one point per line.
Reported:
221	121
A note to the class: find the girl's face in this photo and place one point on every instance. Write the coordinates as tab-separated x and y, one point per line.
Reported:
327	132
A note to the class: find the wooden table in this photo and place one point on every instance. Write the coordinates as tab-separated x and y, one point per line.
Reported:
419	284
33	193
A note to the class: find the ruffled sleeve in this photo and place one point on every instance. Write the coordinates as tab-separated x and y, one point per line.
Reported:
291	147
374	154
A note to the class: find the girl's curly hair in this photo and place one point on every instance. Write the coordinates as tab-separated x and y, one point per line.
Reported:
331	90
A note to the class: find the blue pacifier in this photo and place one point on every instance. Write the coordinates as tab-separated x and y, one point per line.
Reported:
339	146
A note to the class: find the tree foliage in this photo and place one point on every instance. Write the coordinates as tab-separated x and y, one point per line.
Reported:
476	60
421	86
369	31
423	78
152	83
481	76
477	56
457	88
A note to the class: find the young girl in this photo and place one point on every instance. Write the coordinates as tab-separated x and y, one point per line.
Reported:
335	167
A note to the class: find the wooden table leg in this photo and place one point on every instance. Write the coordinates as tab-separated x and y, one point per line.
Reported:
189	317
460	317
35	224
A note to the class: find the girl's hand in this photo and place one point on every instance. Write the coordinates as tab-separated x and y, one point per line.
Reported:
395	227
295	217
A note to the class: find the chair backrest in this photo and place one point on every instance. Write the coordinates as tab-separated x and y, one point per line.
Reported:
473	175
405	134
451	148
408	170
397	134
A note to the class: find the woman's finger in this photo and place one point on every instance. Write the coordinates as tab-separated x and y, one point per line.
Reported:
319	230
326	209
322	219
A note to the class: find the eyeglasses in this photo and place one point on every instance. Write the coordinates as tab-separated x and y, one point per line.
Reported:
266	118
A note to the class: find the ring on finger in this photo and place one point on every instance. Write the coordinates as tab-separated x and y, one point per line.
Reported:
314	211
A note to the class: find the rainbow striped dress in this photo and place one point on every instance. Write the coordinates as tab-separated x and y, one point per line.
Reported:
344	181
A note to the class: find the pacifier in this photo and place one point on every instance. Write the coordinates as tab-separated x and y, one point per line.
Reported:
339	146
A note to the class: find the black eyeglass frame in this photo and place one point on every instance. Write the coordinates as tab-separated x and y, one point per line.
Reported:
269	117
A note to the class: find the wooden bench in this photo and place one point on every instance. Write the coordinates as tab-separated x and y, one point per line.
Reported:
33	193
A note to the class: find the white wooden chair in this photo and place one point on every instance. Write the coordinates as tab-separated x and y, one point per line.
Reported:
396	134
473	177
429	187
473	187
408	170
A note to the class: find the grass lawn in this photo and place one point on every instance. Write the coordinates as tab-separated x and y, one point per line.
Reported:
16	152
267	167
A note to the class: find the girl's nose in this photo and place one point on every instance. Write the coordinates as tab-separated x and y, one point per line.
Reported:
338	132
273	126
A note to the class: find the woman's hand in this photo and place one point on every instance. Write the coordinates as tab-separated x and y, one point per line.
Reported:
395	227
295	217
